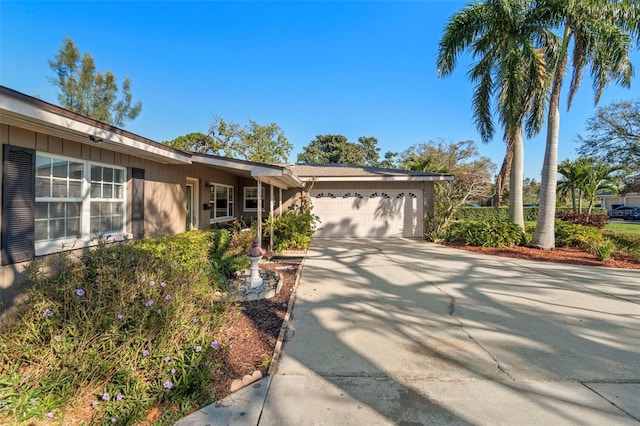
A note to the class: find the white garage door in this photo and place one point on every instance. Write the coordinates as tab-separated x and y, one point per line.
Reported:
370	213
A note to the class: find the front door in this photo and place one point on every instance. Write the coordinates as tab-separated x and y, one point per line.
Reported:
192	204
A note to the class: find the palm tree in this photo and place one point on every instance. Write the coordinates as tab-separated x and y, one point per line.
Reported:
511	70
600	33
601	176
575	175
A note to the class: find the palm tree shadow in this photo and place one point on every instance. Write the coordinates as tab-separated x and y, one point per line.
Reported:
347	327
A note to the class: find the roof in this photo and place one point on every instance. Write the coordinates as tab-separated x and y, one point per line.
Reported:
272	174
25	111
348	172
18	109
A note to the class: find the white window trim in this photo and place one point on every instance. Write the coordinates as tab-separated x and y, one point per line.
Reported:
85	239
244	199
213	187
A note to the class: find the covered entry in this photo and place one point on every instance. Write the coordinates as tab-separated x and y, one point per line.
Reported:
368	213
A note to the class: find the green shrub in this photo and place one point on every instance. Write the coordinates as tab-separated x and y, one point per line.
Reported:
603	250
486	233
225	263
502	213
294	230
129	326
627	243
482	214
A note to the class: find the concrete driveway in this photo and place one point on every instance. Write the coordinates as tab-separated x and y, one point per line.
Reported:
406	332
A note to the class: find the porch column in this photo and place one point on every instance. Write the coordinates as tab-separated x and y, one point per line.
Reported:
259	211
271	204
280	203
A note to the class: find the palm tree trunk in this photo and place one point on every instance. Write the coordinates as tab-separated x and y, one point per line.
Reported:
573	200
505	170
544	236
516	210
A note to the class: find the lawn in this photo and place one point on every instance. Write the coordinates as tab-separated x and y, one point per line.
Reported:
632	228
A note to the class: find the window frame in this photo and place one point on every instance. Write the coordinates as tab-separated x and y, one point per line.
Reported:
85	237
245	198
213	187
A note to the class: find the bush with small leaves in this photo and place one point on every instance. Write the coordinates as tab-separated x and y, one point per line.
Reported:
486	233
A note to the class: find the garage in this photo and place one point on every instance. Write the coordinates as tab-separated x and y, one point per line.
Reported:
378	213
366	202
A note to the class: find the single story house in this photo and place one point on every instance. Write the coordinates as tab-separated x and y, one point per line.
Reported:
67	178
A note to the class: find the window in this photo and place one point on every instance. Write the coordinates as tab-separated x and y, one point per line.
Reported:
76	199
221	202
58	198
107	199
251	198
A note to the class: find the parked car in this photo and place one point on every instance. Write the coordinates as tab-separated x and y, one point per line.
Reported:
625	212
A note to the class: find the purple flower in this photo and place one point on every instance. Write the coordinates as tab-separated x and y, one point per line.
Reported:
167	358
198	348
47	313
143	278
49	415
119	316
94	404
105	396
152	283
145	353
163	284
167	297
79	292
119	397
173	371
56	337
167	384
149	303
215	345
114	419
159	311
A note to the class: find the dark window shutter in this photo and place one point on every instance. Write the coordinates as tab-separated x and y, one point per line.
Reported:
18	204
137	202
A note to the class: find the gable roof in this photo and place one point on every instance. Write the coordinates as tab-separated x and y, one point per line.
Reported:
348	172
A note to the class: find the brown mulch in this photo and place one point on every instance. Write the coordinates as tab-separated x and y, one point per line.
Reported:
252	332
573	256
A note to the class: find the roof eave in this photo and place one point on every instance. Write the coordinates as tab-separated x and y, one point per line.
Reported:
17	109
430	178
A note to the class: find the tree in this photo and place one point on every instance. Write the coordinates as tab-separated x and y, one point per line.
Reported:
86	91
530	191
253	142
472	174
600	33
614	137
194	142
585	177
574	181
336	149
511	70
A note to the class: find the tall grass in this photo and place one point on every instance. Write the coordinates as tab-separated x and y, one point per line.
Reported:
129	327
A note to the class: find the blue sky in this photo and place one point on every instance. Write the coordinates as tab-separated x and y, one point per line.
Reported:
352	68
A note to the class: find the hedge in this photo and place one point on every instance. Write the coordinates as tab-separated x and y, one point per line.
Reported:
502	213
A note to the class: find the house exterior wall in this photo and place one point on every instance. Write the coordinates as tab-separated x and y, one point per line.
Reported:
164	189
630	200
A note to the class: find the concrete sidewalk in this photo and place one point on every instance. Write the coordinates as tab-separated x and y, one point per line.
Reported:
406	332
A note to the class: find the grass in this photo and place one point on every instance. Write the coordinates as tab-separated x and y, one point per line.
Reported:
130	328
623	227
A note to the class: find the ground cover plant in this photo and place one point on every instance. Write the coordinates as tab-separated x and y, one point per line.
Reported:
128	328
